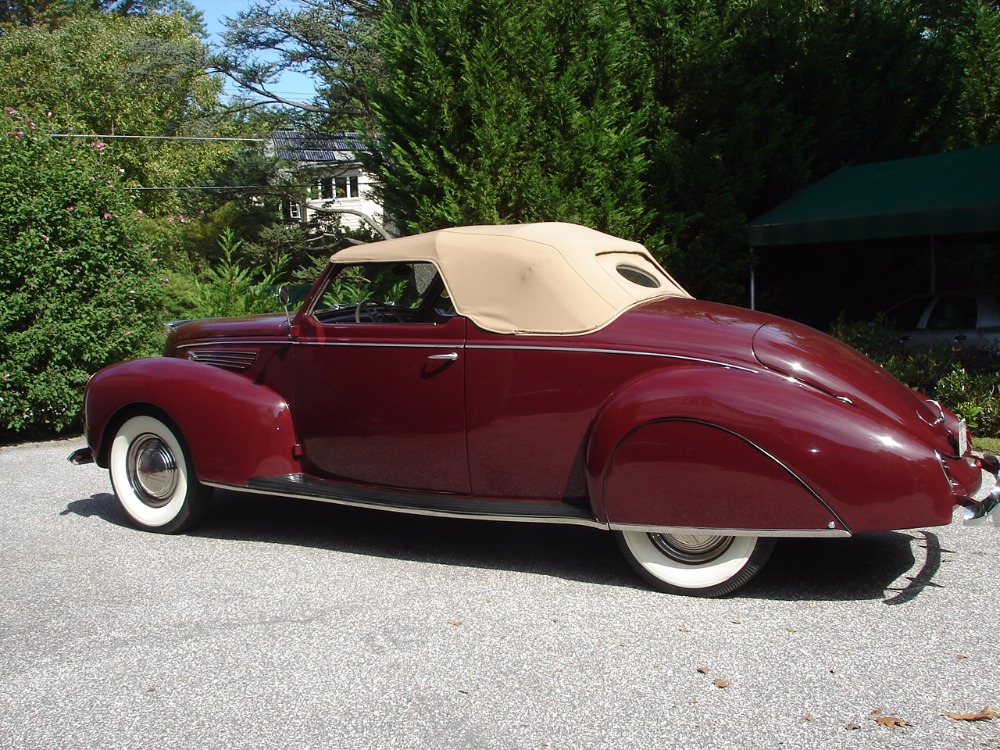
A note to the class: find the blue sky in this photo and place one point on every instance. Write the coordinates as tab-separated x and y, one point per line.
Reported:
292	85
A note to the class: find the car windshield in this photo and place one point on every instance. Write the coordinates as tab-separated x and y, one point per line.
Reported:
381	292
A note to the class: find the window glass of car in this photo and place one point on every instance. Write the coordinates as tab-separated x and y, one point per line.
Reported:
953	311
907	315
634	273
403	292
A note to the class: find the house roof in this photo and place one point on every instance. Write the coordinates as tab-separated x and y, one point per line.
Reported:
549	278
956	192
317	147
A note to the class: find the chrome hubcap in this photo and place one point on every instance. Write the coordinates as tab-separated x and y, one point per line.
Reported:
152	470
692	549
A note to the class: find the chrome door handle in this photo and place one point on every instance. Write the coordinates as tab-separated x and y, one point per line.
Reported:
450	356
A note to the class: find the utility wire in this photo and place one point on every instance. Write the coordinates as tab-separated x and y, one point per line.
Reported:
233	187
216	187
159	137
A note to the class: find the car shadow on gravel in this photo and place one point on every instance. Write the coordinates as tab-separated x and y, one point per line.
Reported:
890	566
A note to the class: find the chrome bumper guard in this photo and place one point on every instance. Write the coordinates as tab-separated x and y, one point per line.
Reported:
81	456
977	513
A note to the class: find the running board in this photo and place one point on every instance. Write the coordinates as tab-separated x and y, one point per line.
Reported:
452	506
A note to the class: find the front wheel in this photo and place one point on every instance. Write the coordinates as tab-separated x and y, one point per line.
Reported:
153	477
695	564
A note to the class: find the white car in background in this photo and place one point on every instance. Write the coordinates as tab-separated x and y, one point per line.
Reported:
968	319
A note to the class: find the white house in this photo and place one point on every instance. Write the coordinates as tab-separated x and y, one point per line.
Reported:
342	188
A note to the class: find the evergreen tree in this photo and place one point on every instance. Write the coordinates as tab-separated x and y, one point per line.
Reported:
757	99
978	51
495	112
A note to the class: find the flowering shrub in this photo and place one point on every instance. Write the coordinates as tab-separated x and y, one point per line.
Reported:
75	292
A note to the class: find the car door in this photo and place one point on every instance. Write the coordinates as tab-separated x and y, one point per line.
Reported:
380	384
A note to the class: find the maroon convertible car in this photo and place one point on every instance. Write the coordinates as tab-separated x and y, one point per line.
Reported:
545	373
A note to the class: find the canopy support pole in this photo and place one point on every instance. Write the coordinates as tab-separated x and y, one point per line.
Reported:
933	265
753	280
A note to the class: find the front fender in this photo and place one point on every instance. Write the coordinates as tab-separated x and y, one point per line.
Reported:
234	428
715	447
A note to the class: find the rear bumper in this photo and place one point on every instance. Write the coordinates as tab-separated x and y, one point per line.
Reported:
978	512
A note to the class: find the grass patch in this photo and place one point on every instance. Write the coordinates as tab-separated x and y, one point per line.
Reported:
986	444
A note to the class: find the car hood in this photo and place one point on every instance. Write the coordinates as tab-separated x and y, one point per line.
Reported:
264	327
731	335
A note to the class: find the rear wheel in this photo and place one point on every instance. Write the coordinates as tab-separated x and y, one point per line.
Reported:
153	476
695	564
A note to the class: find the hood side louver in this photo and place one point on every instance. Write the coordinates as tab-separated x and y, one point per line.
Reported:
230	359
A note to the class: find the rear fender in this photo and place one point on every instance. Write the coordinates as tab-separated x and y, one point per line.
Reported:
727	448
234	428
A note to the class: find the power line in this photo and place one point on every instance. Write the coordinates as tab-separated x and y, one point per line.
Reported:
228	187
159	137
214	187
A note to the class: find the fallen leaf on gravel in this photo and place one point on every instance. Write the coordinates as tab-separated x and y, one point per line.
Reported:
702	670
891	721
987	714
684	630
961	656
455	622
721	683
737	622
851	727
808	717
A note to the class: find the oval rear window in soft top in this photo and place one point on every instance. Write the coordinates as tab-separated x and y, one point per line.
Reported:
637	276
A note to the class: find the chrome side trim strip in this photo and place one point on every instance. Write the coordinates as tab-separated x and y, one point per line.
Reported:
366	344
484	347
236	342
790	533
598	350
590	523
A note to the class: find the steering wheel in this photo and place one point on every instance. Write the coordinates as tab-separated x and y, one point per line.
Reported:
377	312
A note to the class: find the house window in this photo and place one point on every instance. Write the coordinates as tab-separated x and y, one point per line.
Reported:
342	186
347	186
326	188
294	210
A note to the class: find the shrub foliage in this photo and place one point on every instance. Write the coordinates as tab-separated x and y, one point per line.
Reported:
76	293
967	381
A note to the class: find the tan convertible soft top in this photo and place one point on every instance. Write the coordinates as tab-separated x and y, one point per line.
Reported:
550	278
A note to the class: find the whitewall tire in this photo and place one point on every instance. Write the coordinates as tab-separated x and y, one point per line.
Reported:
695	564
153	476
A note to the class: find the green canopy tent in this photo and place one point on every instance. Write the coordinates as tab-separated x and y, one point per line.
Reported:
952	193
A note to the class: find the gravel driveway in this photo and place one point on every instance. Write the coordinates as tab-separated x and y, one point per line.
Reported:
287	624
